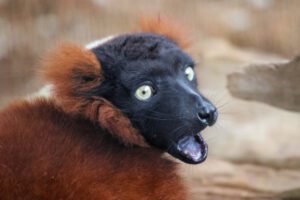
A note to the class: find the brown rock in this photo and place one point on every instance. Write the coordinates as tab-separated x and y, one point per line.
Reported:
274	84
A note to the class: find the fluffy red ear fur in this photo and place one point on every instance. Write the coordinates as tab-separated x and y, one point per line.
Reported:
74	71
165	26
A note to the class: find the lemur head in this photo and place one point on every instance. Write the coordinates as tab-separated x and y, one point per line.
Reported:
141	87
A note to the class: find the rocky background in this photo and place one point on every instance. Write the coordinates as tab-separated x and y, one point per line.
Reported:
246	52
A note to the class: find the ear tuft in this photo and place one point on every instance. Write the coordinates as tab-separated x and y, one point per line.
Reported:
73	71
165	26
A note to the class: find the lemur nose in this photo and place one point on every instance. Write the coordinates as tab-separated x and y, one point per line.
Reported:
208	115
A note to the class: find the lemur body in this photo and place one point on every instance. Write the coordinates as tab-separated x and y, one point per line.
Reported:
114	108
46	154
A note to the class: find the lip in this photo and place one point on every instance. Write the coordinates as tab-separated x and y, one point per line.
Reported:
205	146
190	149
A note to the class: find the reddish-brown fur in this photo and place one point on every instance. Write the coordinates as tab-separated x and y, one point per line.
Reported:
48	154
163	25
55	149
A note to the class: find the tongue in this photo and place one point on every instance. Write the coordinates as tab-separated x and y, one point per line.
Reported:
193	147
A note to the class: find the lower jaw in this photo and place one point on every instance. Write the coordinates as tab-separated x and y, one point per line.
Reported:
204	147
190	149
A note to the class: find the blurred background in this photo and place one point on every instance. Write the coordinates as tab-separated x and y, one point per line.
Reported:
255	147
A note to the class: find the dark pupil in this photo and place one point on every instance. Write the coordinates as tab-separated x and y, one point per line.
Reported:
143	92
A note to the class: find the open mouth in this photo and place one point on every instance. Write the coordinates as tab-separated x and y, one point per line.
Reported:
190	149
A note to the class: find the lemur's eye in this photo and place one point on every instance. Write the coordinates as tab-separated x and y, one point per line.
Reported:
189	72
144	92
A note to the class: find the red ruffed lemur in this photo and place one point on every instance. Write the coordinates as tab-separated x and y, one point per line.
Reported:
114	109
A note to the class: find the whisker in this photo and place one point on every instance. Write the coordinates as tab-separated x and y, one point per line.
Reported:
228	113
222	105
216	96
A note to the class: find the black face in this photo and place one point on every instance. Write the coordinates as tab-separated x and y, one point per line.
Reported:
153	82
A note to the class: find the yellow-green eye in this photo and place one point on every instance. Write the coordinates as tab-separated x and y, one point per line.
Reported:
189	72
144	92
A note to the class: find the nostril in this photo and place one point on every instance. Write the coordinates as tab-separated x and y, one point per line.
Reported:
207	116
203	116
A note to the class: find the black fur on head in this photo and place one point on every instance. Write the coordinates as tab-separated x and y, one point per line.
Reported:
151	80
